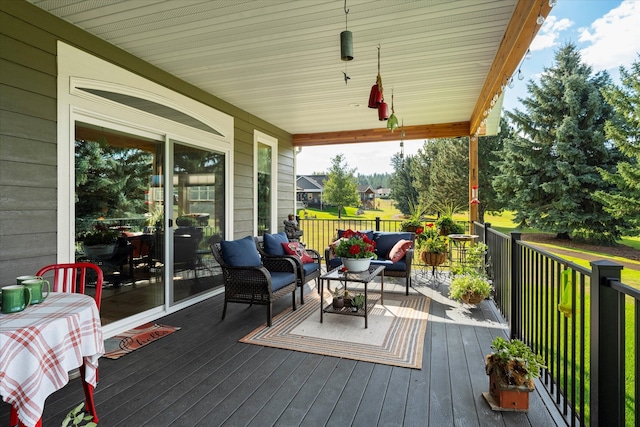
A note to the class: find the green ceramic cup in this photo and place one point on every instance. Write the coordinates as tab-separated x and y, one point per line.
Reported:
21	279
37	287
15	298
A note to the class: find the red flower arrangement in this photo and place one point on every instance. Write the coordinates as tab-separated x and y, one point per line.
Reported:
355	244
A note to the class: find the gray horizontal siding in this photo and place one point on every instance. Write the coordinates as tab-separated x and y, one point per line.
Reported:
28	135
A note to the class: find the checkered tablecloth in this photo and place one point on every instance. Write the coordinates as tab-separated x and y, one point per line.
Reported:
40	345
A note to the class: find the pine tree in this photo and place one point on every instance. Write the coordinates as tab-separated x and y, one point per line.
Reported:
403	192
624	130
441	174
341	188
550	169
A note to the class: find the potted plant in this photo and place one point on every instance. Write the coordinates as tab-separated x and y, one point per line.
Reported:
432	246
356	250
414	220
357	302
338	299
447	226
99	242
511	369
470	288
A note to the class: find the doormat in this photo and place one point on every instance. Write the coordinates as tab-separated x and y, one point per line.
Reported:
128	341
395	335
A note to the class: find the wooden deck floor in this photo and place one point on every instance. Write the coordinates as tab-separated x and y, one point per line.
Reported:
202	376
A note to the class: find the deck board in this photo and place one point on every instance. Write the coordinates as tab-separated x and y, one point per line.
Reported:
201	375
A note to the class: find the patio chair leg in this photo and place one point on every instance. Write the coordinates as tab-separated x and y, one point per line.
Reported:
301	294
293	294
88	394
269	314
224	309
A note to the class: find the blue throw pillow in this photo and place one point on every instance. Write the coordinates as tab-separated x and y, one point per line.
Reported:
272	243
241	253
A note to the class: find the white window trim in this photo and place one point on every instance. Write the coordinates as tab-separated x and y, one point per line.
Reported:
263	138
77	68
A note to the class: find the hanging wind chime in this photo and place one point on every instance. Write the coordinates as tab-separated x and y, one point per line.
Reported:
392	123
401	140
376	97
346	44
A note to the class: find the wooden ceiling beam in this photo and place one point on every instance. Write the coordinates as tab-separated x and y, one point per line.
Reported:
442	130
517	39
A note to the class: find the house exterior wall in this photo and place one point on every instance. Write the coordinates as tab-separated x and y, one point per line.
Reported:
28	135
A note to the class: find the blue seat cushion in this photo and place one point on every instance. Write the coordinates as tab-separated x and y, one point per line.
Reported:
385	241
310	267
281	279
272	243
241	253
391	266
335	262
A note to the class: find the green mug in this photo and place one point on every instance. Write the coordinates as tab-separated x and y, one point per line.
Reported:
15	298
21	279
36	286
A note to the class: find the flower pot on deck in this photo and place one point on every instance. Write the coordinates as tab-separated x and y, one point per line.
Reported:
508	397
432	258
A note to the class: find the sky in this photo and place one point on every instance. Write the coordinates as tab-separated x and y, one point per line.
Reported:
607	33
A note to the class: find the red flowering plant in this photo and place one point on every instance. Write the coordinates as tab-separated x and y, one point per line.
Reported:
355	244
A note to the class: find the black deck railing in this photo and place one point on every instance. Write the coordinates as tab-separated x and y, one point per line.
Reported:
591	349
591	352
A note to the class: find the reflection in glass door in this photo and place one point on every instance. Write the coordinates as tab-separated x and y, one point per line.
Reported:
264	188
119	217
198	213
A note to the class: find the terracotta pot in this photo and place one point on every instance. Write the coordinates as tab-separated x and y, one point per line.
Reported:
508	397
432	258
470	298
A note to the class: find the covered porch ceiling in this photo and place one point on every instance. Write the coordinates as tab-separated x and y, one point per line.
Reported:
280	59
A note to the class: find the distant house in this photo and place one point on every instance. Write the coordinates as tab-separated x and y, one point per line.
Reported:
383	192
367	196
310	189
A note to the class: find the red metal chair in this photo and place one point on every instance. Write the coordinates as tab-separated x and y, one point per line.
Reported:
72	278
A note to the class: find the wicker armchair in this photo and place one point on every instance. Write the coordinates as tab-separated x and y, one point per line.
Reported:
306	272
263	284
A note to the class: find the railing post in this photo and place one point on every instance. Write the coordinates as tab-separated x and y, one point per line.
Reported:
607	381
515	319
377	223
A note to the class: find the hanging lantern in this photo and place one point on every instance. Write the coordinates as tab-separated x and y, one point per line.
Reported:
392	123
376	97
346	38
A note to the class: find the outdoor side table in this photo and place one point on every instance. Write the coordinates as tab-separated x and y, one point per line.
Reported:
461	241
344	277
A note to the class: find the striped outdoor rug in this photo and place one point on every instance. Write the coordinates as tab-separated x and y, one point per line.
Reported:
395	335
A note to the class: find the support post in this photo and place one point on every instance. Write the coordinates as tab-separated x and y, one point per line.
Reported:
473	180
607	380
515	317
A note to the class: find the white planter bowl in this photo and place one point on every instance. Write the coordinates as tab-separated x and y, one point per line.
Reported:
356	265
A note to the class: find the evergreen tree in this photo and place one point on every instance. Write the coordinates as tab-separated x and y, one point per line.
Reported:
441	174
624	130
403	192
341	188
489	160
550	168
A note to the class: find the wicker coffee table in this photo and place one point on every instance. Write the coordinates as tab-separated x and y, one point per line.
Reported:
345	277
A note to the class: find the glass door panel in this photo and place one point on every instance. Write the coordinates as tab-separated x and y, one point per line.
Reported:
119	216
265	183
198	212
